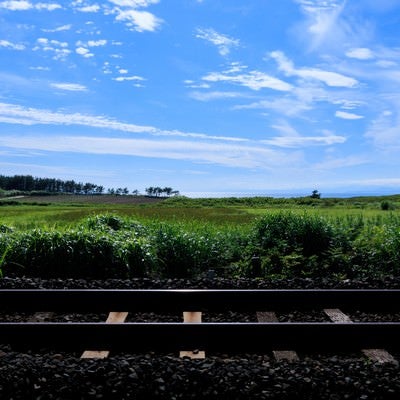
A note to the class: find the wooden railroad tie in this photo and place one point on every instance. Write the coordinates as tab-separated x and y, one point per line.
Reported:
288	355
380	356
192	317
113	318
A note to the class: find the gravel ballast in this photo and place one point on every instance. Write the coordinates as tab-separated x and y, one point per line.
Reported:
53	375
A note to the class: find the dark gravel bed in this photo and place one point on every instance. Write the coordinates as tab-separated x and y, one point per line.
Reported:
53	375
388	282
58	376
358	316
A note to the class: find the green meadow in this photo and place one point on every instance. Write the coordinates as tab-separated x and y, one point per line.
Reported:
127	236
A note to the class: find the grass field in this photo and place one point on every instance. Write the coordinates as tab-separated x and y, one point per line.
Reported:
64	211
81	236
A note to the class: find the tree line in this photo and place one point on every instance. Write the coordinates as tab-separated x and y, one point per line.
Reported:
28	183
158	191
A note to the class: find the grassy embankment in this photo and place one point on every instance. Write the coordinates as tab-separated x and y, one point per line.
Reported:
182	237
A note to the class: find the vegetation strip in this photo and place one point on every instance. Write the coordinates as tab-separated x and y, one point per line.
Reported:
286	245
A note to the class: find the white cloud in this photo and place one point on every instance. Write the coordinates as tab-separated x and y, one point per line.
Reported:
47	6
349	104
123	71
323	21
40	68
283	105
191	84
129	78
254	80
97	43
134	3
386	64
12	46
360	53
73	87
139	21
22	5
290	138
84	52
347	115
384	132
88	9
16	5
285	129
333	79
14	114
59	29
207	96
304	141
334	163
224	43
59	49
129	12
230	155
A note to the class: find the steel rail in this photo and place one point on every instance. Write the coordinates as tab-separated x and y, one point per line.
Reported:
99	300
220	337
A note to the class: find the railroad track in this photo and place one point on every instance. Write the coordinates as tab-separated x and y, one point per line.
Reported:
375	339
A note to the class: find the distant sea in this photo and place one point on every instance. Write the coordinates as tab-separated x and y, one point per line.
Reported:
288	194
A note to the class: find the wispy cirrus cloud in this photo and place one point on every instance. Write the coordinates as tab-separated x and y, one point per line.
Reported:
215	95
227	154
290	138
384	131
330	78
71	87
323	21
134	3
15	114
254	80
224	43
289	106
304	141
59	28
342	162
347	115
23	5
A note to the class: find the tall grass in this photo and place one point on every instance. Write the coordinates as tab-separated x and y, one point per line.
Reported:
288	245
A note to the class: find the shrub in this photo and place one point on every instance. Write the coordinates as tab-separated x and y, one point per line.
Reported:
311	235
75	254
387	205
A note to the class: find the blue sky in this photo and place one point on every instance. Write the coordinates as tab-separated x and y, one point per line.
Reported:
205	96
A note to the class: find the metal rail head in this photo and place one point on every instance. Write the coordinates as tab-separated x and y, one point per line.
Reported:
100	300
220	337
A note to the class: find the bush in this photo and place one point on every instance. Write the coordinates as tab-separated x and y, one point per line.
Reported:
387	205
74	254
289	232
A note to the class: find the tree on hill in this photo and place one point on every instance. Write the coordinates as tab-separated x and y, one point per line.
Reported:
315	194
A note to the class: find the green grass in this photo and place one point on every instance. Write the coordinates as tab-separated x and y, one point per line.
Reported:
184	238
218	211
31	216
